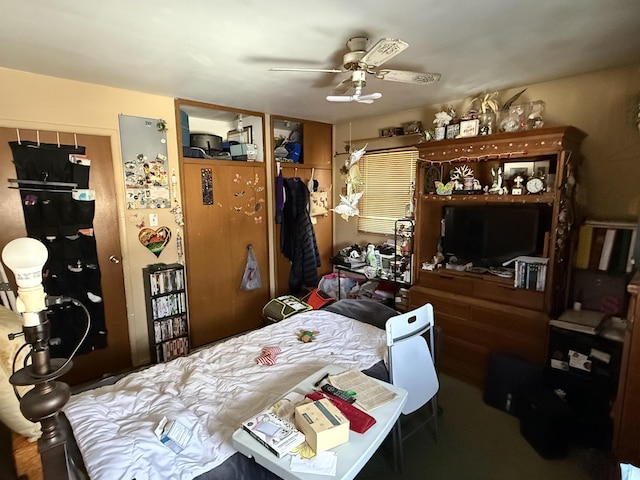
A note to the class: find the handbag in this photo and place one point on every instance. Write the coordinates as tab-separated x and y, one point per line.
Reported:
251	278
318	203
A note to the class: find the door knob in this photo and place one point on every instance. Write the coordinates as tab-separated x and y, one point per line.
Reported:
114	259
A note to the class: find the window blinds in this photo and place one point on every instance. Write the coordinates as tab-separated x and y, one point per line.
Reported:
388	180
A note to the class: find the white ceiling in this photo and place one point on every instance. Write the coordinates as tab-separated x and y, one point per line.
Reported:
220	51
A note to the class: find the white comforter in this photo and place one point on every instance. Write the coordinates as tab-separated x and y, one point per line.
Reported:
213	391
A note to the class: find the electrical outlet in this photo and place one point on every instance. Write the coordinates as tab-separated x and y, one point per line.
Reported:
153	219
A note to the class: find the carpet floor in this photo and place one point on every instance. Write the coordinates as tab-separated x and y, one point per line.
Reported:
479	442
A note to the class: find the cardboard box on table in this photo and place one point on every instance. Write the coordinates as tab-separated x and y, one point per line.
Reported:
323	425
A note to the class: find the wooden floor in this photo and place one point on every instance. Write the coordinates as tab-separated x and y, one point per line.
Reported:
27	458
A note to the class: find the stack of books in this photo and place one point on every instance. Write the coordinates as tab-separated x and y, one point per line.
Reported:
530	272
606	246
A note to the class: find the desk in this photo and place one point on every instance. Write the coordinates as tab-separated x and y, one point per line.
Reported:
352	456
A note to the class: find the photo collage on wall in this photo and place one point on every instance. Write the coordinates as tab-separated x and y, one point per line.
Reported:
144	155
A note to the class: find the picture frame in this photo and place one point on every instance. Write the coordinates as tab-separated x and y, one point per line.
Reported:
453	130
469	128
541	168
387	132
409	128
524	169
244	136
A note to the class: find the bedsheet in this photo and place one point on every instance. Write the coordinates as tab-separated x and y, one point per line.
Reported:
211	391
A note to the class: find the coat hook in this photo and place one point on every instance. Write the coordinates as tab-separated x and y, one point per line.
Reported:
38	137
18	135
58	138
249	246
75	140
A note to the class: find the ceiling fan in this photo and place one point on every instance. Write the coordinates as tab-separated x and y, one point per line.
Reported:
359	62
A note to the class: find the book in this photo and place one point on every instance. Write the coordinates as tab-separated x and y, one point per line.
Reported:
276	432
620	254
585	321
632	247
597	244
585	238
607	248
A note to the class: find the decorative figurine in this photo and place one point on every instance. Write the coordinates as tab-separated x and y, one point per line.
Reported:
517	188
496	185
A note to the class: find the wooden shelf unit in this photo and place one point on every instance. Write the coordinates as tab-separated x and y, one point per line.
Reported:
167	312
480	313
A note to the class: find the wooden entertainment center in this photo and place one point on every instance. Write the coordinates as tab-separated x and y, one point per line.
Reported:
478	313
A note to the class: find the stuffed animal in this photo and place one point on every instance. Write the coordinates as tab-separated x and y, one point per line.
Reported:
307	336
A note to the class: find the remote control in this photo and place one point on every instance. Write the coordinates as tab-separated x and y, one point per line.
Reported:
336	392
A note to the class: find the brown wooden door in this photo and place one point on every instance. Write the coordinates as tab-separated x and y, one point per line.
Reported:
216	240
117	355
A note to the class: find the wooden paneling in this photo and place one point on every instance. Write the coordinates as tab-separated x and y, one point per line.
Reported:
216	240
626	439
317	144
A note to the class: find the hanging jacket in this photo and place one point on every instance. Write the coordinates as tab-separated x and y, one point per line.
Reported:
297	237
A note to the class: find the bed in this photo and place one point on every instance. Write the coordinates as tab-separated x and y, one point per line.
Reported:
212	391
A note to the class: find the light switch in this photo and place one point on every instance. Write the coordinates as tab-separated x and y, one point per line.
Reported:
153	219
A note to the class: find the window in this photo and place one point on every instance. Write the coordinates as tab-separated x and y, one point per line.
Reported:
388	181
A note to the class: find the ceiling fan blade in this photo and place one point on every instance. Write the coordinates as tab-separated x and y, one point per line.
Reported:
312	70
360	100
339	98
408	77
369	96
382	51
343	86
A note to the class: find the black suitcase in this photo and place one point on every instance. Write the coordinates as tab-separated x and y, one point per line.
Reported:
546	421
506	374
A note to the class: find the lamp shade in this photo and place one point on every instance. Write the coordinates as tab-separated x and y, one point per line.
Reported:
25	257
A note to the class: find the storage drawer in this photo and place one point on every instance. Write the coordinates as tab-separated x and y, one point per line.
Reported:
519	297
527	323
448	282
463	360
492	339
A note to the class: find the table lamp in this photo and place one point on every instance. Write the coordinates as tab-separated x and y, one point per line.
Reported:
26	257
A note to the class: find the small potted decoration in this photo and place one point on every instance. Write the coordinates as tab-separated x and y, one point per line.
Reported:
488	107
442	120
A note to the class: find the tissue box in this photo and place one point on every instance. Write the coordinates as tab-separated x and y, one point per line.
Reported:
323	425
173	434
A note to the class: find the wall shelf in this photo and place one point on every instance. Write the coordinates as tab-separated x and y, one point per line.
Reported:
412	136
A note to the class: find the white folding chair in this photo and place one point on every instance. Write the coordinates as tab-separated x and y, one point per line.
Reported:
411	366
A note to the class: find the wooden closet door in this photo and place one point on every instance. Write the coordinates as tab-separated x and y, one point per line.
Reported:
216	240
117	355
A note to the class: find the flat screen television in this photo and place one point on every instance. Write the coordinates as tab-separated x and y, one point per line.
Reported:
489	235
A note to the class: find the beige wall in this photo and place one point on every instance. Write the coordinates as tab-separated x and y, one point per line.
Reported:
46	103
599	103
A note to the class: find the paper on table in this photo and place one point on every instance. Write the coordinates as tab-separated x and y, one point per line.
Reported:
369	392
324	463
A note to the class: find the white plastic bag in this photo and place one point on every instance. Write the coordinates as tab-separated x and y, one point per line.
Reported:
329	285
251	277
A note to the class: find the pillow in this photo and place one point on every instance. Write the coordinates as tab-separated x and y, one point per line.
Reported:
10	414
